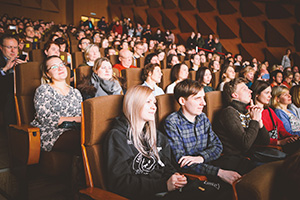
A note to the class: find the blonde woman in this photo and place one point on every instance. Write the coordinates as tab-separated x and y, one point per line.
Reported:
56	103
248	73
91	53
138	156
280	100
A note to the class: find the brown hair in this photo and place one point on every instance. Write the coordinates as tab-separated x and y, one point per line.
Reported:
295	93
186	88
230	88
148	68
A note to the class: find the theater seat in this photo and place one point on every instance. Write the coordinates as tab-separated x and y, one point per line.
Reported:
214	104
192	75
95	126
77	59
37	55
80	73
132	76
165	79
24	140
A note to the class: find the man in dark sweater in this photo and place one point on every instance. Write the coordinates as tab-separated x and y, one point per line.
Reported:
239	126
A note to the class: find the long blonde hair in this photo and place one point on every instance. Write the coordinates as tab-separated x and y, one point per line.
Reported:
144	140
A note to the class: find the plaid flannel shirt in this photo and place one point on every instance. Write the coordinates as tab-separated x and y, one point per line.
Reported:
193	139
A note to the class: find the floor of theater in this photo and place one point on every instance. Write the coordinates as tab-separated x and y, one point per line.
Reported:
39	187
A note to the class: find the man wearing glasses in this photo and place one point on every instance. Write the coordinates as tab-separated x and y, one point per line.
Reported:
8	59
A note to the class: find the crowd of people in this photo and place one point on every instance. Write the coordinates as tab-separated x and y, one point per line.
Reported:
262	102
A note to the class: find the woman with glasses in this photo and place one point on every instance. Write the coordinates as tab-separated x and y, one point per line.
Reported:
58	109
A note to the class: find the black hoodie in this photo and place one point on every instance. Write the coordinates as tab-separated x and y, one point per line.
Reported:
131	174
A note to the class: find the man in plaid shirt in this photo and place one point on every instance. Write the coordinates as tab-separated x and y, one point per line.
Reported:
192	140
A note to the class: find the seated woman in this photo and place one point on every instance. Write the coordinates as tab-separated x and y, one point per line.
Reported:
296	79
295	105
91	53
55	104
172	60
51	49
138	156
101	82
178	73
287	78
261	96
151	75
227	74
248	73
204	77
280	101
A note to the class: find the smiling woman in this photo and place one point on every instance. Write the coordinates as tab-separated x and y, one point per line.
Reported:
56	104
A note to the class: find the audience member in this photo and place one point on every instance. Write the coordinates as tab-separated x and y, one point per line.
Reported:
125	57
179	72
151	76
203	76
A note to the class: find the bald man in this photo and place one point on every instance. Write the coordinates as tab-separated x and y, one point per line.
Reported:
125	57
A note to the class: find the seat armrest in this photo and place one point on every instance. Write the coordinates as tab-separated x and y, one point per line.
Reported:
25	144
195	176
99	194
271	146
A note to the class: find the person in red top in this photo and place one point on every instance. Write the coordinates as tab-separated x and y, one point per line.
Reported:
288	77
125	57
117	28
261	96
276	78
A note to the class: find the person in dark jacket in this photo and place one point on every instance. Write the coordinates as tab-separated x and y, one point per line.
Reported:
138	160
240	126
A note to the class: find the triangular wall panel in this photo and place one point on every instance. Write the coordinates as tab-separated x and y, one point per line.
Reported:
204	6
185	5
31	3
225	8
184	26
154	3
50	5
167	23
276	11
169	4
140	2
249	9
247	34
224	31
274	38
202	27
152	19
128	2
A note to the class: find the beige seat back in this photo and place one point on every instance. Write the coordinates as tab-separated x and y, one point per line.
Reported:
132	76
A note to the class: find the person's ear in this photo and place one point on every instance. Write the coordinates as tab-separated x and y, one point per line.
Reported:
234	95
181	101
46	53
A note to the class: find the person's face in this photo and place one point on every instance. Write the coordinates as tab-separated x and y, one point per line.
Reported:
278	78
265	96
194	104
111	52
97	38
207	77
21	45
53	50
154	60
289	79
216	65
10	48
196	60
29	32
105	43
62	47
249	76
156	75
85	43
149	109
297	77
81	35
209	56
202	59
230	73
239	58
105	70
183	72
126	59
93	54
285	98
161	56
242	93
174	60
295	69
125	45
57	71
139	49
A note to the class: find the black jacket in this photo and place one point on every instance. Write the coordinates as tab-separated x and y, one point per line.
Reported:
131	174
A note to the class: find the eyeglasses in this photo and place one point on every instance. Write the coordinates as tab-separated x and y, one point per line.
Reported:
10	47
56	66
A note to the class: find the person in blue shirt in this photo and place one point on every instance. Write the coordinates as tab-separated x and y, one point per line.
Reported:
193	142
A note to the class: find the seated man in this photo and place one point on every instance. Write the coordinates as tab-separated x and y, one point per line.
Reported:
239	126
192	140
125	58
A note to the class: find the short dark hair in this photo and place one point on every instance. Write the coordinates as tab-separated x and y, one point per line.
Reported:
149	57
230	88
274	74
186	88
8	36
